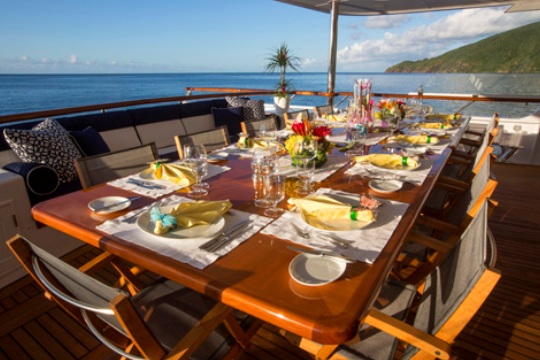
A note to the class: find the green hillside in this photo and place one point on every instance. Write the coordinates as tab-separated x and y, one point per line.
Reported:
514	51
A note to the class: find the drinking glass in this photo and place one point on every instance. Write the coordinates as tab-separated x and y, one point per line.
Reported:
393	123
195	158
304	153
274	190
258	178
357	129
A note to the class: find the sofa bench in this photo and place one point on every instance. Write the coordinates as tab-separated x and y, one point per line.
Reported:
119	129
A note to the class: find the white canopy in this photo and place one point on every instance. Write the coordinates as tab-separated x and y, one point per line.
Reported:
392	7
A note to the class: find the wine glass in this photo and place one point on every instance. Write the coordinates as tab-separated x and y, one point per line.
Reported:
274	190
304	153
393	123
257	162
357	129
195	159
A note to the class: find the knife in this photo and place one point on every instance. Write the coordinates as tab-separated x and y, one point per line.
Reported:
105	207
212	245
321	253
145	184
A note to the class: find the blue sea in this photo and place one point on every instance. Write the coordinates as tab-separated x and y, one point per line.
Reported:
26	93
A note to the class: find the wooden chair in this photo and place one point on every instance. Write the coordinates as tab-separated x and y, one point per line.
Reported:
320	111
164	320
290	116
98	169
432	238
252	127
211	139
449	298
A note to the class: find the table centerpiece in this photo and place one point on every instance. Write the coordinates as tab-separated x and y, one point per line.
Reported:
305	133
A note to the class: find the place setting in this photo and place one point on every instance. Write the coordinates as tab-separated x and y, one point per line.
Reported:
390	169
335	226
163	178
195	232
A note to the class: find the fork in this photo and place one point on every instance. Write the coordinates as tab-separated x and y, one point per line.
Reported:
306	235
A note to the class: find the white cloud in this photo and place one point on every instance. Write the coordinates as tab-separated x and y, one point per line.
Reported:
72	59
386	22
423	41
308	62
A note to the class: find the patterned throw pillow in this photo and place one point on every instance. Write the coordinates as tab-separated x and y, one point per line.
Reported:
46	143
253	109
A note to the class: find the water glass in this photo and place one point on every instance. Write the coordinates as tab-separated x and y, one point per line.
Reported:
274	191
305	173
195	158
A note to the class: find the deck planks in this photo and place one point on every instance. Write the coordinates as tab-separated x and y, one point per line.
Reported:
506	327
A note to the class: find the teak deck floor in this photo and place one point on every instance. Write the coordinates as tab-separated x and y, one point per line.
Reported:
506	327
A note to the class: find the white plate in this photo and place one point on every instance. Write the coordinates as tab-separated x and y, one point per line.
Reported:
415	150
315	270
335	225
109	200
385	186
198	232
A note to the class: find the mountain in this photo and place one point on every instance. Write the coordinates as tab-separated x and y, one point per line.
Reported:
513	51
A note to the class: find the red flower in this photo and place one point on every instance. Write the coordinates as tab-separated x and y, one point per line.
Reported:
321	131
300	127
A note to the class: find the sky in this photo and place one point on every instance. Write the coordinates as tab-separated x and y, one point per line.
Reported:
163	36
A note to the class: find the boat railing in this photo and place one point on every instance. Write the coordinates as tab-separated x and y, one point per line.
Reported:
212	92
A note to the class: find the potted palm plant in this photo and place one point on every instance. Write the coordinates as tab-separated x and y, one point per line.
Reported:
281	60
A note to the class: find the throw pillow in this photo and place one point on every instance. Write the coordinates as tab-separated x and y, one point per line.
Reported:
46	143
89	142
253	109
230	117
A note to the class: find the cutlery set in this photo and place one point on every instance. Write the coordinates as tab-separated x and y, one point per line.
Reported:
225	237
145	184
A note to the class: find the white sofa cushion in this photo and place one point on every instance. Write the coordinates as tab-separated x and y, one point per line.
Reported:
120	139
195	124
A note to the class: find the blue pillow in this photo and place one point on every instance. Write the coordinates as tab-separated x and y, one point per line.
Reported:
230	117
89	141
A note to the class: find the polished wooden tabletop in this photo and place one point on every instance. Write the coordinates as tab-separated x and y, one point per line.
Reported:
254	276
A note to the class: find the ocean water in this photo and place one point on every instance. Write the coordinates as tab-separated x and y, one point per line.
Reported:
26	93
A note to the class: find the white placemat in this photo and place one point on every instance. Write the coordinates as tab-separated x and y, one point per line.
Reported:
166	186
333	164
184	250
415	177
366	243
371	138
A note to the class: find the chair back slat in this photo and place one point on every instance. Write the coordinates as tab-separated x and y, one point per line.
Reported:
211	139
470	198
88	293
252	127
451	282
99	169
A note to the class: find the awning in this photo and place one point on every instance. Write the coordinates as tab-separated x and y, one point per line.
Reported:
393	7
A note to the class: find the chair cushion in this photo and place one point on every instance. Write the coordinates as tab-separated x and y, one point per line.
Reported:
253	109
89	142
46	143
231	117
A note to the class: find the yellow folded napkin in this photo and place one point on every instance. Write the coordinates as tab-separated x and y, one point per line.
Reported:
446	117
189	214
245	142
388	161
416	139
325	209
336	118
434	125
179	174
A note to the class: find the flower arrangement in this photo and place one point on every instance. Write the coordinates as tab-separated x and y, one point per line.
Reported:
282	59
302	129
390	108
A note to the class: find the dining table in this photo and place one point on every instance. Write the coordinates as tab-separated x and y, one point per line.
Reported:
254	275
